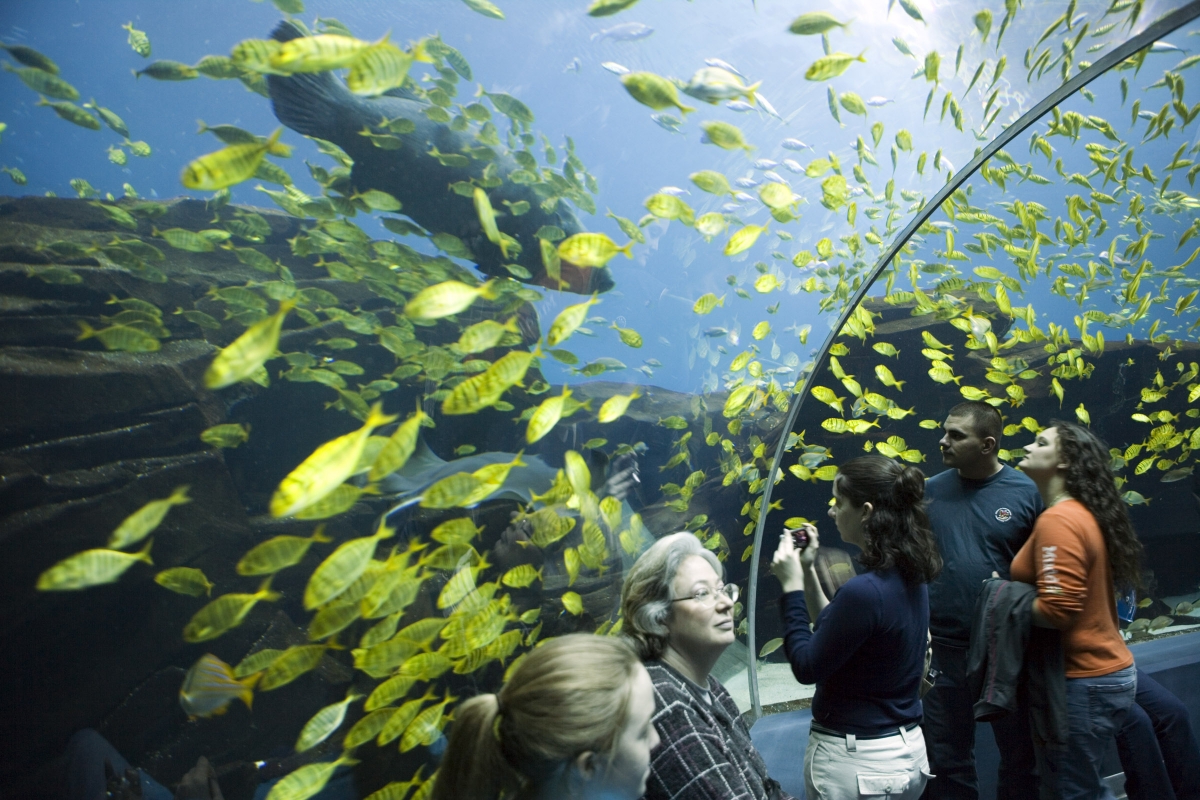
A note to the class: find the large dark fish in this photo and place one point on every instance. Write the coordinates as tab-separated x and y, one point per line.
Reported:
320	105
424	468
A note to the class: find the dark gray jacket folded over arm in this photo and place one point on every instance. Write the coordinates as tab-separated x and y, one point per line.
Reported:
1009	655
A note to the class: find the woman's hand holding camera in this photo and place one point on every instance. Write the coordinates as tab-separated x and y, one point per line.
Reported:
791	564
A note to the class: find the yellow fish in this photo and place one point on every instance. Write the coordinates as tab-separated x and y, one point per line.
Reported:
707	302
484	335
224	613
247	353
185	580
573	602
278	552
326	469
591	249
484	389
887	378
521	576
546	416
228	166
141	523
446	298
294	662
399	447
209	686
654	91
568	321
309	779
491	478
744	239
487	219
319	53
90	568
341	568
614	407
427	726
322	724
382	67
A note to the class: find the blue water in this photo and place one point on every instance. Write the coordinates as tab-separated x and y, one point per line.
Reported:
527	55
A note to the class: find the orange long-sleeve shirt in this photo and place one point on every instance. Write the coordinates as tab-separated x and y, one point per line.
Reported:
1065	557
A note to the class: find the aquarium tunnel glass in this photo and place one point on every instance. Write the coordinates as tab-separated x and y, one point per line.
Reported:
359	370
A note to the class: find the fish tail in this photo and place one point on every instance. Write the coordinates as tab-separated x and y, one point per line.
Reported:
180	495
87	331
314	104
627	249
248	684
144	553
377	417
488	290
685	109
750	92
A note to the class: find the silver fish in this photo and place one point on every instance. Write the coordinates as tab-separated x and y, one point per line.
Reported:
766	106
713	333
673	191
667	122
725	65
743	197
729	208
740	106
765	163
625	32
775	176
879	100
793	165
794	144
1165	47
745	183
615	68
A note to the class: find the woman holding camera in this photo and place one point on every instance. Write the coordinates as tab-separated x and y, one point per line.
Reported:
866	653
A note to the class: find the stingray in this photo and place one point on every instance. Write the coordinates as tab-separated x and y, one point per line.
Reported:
425	468
320	105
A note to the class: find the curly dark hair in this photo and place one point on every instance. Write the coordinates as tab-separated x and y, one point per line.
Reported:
897	535
1089	480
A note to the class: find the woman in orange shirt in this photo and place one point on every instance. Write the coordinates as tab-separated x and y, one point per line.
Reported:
1082	551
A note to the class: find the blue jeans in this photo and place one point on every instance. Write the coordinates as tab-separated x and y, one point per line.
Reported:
949	726
1096	708
1158	749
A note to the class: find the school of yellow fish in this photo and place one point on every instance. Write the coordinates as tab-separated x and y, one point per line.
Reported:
1096	245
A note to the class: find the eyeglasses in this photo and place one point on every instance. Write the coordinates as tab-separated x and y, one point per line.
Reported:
708	597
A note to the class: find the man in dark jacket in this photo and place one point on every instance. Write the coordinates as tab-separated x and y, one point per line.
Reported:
981	512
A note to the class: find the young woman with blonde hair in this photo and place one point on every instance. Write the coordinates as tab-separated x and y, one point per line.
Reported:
573	721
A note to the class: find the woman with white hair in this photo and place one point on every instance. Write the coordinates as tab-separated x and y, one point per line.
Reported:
679	614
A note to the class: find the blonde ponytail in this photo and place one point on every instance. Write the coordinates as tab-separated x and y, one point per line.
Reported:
568	696
474	765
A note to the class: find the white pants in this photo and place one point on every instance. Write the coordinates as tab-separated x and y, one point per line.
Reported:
843	768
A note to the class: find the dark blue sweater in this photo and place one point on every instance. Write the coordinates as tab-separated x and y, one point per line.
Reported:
979	527
865	655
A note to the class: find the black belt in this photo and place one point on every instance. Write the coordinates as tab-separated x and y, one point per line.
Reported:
891	732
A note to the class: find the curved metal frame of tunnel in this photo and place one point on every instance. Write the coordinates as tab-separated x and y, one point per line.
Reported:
1162	27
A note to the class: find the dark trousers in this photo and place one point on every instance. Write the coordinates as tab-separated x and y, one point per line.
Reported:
949	727
1158	749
